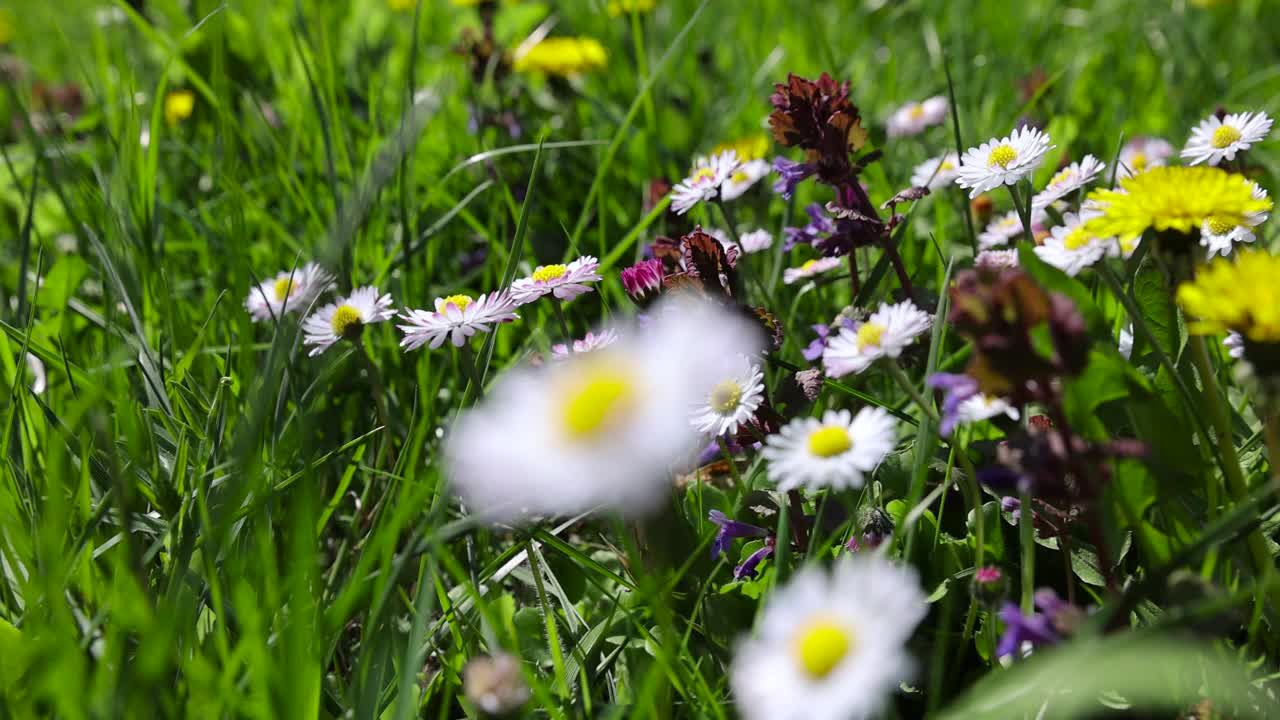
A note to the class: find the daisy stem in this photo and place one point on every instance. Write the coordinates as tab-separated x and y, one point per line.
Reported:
548	615
379	392
900	376
733	466
1024	214
782	545
468	360
564	324
1027	538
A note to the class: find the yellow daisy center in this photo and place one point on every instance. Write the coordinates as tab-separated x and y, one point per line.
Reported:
1219	225
870	334
916	112
1002	155
1138	162
1224	136
549	272
808	265
459	301
346	321
821	645
739	177
705	173
725	396
946	165
284	287
829	441
596	400
1076	238
1062	176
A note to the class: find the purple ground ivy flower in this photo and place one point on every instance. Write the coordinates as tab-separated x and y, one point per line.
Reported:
819	227
793	173
748	566
958	388
1054	618
729	531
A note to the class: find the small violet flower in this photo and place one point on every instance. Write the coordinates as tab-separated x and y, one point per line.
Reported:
793	173
958	387
729	531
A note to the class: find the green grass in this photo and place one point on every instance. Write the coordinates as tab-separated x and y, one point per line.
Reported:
196	519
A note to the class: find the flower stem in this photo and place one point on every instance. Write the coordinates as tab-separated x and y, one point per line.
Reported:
905	382
733	465
1027	537
468	359
379	392
564	324
1024	214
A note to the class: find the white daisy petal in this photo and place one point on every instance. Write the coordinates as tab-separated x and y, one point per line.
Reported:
886	333
709	174
742	178
984	407
1215	140
936	173
914	117
731	402
1141	154
810	269
756	241
1002	161
457	318
1070	249
836	452
1068	180
1220	236
590	342
289	291
564	282
345	318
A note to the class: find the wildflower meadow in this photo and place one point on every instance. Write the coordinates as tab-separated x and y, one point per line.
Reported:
562	359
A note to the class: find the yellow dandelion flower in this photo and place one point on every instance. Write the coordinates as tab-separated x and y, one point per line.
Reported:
1243	296
626	7
748	148
1173	198
178	106
563	56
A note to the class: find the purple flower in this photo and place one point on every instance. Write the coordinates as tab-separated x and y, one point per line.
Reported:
959	387
793	173
643	279
819	227
1011	504
1044	627
729	530
815	348
748	566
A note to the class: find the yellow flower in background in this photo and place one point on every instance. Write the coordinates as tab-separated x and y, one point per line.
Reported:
1173	198
563	56
403	5
1242	296
626	7
6	26
748	148
178	106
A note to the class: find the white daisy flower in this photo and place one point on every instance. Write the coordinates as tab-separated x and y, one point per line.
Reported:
708	175
836	452
1219	235
589	342
740	180
1003	161
811	268
731	402
457	318
830	646
997	259
914	117
1215	140
1125	342
1070	249
1000	231
1143	153
886	333
936	173
565	282
345	318
1234	343
756	241
288	291
599	430
984	407
1068	180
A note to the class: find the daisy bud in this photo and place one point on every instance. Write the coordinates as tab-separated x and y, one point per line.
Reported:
494	684
643	280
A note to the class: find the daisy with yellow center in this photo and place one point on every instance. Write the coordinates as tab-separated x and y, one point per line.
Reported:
748	148
1071	248
289	291
809	269
914	117
456	318
178	106
564	282
1241	296
1173	198
837	451
936	173
1220	234
345	319
1143	153
1002	161
1007	228
590	342
562	57
1068	180
885	334
598	430
1215	140
732	402
704	183
830	645
743	178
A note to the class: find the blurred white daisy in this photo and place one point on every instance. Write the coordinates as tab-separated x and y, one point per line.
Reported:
809	269
599	430
1215	140
565	282
1125	342
914	117
456	317
830	646
835	452
997	259
756	241
1000	231
732	401
1070	248
886	333
1143	153
1234	343
589	342
936	173
346	318
709	173
984	407
1219	235
740	180
1002	161
289	291
1068	180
